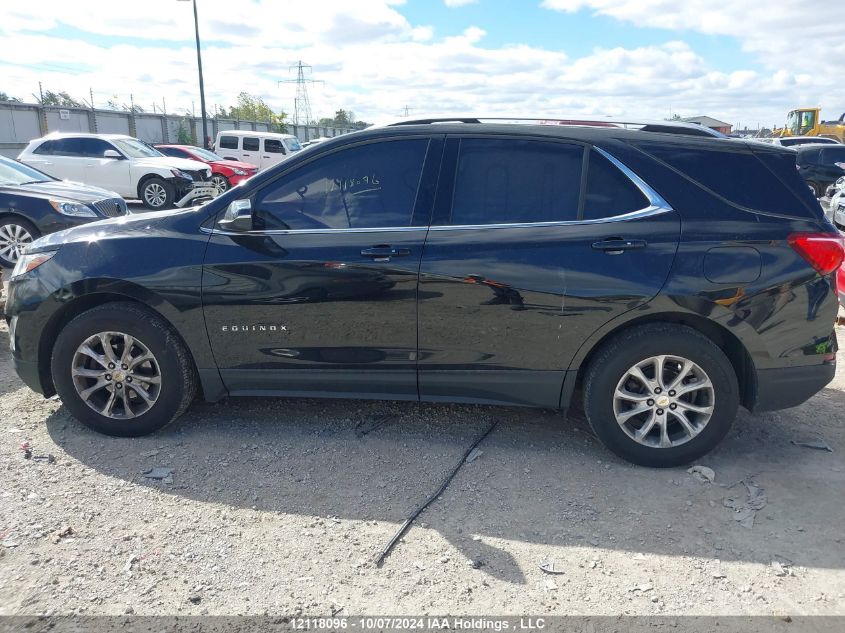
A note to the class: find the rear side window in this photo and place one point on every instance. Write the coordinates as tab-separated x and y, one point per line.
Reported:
507	181
738	176
609	191
250	144
274	146
229	142
368	186
61	147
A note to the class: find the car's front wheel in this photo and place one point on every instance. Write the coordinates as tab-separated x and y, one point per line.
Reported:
15	235
121	370
156	193
220	183
660	395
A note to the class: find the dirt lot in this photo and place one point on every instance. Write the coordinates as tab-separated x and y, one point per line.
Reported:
279	506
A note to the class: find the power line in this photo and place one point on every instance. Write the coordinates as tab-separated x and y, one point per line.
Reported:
301	104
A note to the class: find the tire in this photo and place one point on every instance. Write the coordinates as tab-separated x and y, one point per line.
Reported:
220	182
169	379
15	234
686	443
157	194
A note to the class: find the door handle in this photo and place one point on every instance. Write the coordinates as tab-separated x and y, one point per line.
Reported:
618	245
384	253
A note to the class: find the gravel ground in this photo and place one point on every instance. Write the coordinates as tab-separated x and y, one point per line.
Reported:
279	506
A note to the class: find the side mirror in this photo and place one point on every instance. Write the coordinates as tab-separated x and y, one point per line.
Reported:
112	153
238	216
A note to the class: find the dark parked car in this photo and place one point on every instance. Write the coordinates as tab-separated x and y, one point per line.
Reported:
669	278
820	165
34	204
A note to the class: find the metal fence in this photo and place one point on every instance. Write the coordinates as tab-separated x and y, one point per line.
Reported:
22	122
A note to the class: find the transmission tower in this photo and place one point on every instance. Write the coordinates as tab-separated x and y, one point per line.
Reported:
301	105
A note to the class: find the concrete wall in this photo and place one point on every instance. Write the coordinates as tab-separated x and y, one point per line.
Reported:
22	122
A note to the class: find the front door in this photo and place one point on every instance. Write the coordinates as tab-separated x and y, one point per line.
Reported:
321	295
527	256
108	173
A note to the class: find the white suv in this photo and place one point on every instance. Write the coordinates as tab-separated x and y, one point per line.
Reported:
119	163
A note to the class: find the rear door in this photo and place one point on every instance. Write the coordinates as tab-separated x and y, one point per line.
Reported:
61	158
321	296
251	150
534	245
273	151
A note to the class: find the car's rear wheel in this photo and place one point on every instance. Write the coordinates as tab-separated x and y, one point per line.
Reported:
660	395
220	182
15	235
156	193
121	370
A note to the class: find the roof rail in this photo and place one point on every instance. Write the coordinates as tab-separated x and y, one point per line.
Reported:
671	127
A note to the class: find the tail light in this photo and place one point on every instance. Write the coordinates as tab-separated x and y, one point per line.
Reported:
823	251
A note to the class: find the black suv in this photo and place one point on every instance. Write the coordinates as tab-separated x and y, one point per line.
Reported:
668	278
821	165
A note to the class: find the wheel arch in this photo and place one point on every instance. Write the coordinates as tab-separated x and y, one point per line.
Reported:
728	341
76	306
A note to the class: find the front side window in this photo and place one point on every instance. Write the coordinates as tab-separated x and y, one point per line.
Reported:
229	142
94	147
274	146
368	186
250	144
507	181
609	191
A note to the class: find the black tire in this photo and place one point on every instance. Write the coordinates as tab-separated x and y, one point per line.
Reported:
178	379
9	226
156	193
622	353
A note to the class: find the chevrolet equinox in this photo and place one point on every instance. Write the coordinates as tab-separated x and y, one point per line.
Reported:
666	278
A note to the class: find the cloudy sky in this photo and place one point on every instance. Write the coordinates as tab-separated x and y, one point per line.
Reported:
744	61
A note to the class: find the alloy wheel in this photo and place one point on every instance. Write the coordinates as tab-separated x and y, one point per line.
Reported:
219	183
664	401
116	375
155	195
13	240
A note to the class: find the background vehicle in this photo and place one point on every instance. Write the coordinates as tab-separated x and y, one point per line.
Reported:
259	148
791	141
224	173
119	163
458	262
807	122
33	204
820	165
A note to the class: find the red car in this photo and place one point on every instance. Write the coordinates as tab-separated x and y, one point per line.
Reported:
224	173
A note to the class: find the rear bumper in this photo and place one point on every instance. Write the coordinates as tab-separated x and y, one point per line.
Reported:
790	386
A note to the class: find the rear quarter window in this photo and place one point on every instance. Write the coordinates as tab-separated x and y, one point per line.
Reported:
737	175
609	191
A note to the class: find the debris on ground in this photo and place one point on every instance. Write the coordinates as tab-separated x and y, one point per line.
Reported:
817	444
703	474
550	567
782	569
365	427
61	533
745	509
475	454
160	473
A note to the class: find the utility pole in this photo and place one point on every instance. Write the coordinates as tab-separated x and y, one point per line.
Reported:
202	84
301	104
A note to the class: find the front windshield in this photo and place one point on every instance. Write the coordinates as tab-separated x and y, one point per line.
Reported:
205	154
134	148
293	144
15	173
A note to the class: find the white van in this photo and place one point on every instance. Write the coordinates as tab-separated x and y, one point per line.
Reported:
259	148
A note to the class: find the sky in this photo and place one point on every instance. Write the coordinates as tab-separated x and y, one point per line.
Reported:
744	62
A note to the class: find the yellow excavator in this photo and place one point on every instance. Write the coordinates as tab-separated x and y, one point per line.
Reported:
807	122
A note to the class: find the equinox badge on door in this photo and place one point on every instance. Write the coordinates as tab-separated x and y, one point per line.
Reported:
254	328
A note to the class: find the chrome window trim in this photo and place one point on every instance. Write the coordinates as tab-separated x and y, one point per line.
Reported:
657	206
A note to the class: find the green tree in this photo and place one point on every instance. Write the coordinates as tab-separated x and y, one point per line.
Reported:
6	97
61	98
183	134
343	118
253	108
